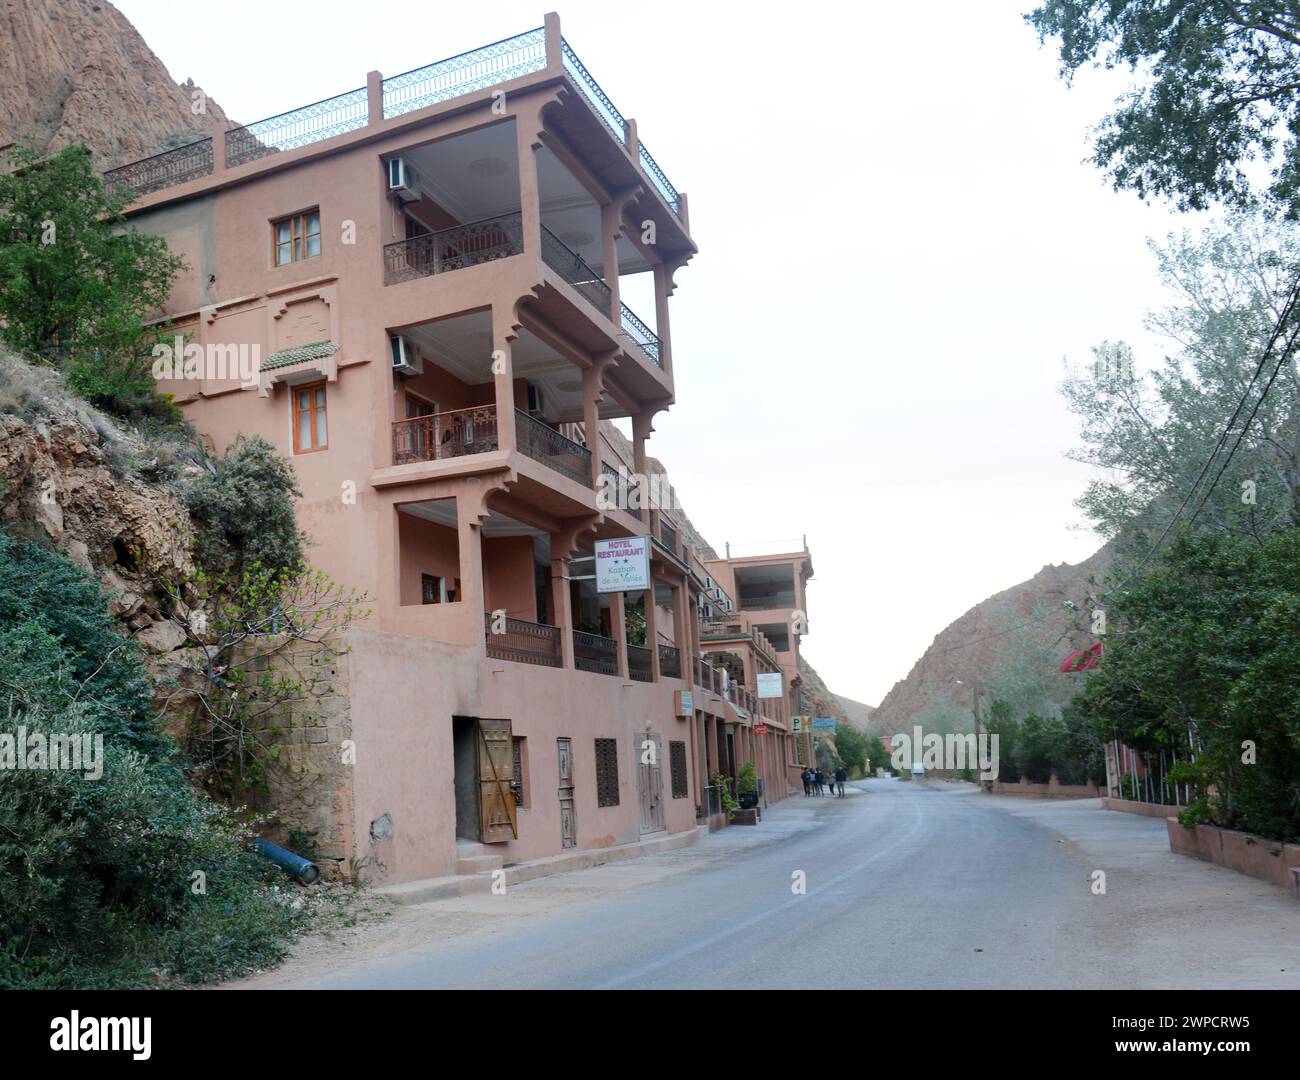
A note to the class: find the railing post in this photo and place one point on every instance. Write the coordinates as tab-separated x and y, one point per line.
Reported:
554	42
374	98
218	150
662	277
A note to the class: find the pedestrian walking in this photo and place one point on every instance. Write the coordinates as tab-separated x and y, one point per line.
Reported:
840	777
807	783
821	782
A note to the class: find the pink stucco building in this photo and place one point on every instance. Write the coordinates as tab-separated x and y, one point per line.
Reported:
427	270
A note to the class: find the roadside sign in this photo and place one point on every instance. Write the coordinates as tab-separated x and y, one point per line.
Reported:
769	684
823	723
760	729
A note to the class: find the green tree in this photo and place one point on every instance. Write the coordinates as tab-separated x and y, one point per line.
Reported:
1149	435
77	284
1204	650
1218	86
851	745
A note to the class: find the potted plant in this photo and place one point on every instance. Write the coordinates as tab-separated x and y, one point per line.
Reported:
747	786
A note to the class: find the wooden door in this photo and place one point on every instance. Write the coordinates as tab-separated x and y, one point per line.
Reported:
497	810
568	814
649	778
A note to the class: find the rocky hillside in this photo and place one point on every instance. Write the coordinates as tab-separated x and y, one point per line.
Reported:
72	477
77	71
1027	624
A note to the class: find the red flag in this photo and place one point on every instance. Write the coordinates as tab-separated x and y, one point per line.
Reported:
1083	660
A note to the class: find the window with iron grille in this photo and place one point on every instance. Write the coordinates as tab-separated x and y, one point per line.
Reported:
606	772
517	781
677	766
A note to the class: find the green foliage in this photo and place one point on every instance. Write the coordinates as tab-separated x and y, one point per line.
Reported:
722	783
634	621
1149	435
878	755
60	647
1216	89
1206	644
253	630
98	876
851	745
747	779
244	514
77	284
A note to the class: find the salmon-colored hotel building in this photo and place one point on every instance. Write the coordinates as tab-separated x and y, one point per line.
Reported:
428	271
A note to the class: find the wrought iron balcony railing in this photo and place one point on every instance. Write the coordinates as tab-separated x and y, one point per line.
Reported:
596	97
570	266
168	169
670	662
298	127
638	664
477	69
523	642
445	435
642	335
591	652
668	534
455	248
545	444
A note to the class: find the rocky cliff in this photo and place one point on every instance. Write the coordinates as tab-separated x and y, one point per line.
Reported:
1026	627
76	71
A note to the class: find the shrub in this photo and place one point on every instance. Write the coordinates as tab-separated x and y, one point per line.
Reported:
243	513
133	878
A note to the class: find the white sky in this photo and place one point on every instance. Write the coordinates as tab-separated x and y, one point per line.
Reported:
899	241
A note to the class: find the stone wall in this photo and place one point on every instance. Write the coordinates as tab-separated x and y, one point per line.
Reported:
309	794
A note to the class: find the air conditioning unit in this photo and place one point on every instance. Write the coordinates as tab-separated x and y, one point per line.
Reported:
406	361
727	604
717	594
708	582
403	180
536	404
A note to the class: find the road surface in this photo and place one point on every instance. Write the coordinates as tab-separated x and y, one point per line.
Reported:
907	885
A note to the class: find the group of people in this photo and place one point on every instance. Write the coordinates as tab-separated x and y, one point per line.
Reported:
815	781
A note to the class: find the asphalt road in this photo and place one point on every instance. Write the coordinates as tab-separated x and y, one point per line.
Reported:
907	885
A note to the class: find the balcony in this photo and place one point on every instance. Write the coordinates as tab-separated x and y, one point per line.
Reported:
642	335
591	652
524	642
573	269
178	166
444	80
670	662
545	444
445	435
638	664
456	248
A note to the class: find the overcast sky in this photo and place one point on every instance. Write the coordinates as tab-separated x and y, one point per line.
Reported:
899	242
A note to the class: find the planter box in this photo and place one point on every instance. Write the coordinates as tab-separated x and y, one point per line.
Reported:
1146	809
744	817
1255	856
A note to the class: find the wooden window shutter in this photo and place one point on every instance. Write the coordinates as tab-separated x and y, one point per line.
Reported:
497	810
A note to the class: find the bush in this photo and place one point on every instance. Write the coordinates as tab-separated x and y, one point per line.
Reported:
131	879
243	515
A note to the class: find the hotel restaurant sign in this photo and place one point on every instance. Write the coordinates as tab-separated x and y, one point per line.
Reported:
623	564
